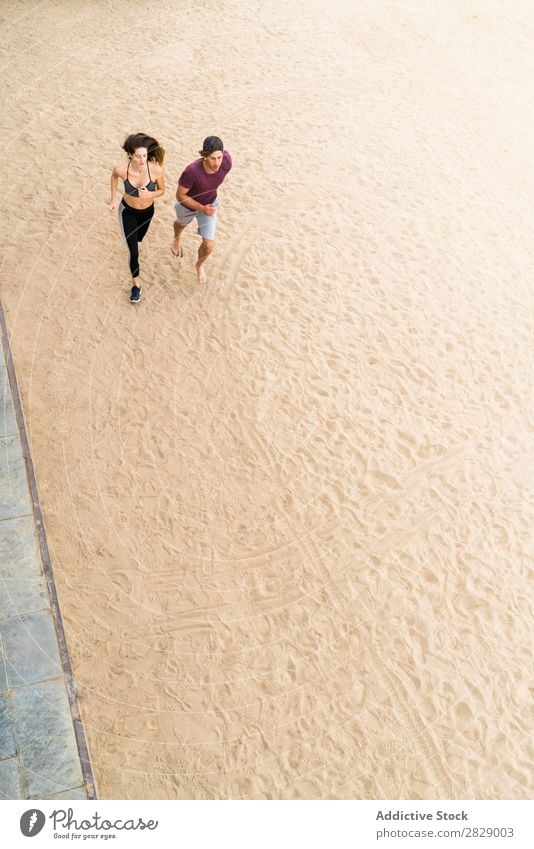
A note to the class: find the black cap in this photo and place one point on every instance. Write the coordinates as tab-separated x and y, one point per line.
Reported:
210	144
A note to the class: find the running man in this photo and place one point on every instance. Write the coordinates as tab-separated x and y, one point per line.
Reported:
196	197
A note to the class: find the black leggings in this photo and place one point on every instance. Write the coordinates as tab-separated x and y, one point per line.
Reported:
134	225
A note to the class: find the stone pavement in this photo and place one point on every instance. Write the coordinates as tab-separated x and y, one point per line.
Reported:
43	753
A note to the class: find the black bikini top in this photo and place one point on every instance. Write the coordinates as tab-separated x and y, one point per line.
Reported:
132	191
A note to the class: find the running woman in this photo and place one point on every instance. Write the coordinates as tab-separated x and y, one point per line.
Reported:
143	182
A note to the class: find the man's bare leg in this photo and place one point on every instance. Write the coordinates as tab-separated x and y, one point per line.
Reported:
176	247
206	247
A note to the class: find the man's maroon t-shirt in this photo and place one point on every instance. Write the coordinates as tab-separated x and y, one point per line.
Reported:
203	186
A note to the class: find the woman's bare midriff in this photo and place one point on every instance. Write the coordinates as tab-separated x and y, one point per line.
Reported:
136	203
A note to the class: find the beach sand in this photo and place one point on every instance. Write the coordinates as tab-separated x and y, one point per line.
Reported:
290	511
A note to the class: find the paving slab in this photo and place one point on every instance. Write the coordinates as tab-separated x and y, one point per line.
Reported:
3	675
79	793
8	421
48	752
30	648
22	582
10	784
8	745
14	495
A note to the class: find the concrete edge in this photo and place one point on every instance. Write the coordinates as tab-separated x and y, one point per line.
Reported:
47	567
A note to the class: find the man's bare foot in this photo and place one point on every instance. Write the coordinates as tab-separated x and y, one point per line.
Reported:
176	248
201	274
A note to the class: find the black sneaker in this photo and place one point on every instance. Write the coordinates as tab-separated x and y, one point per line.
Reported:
135	297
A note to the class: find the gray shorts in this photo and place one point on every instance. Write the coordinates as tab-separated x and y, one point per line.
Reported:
206	224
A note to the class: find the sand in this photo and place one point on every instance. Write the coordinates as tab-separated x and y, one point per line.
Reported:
289	512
